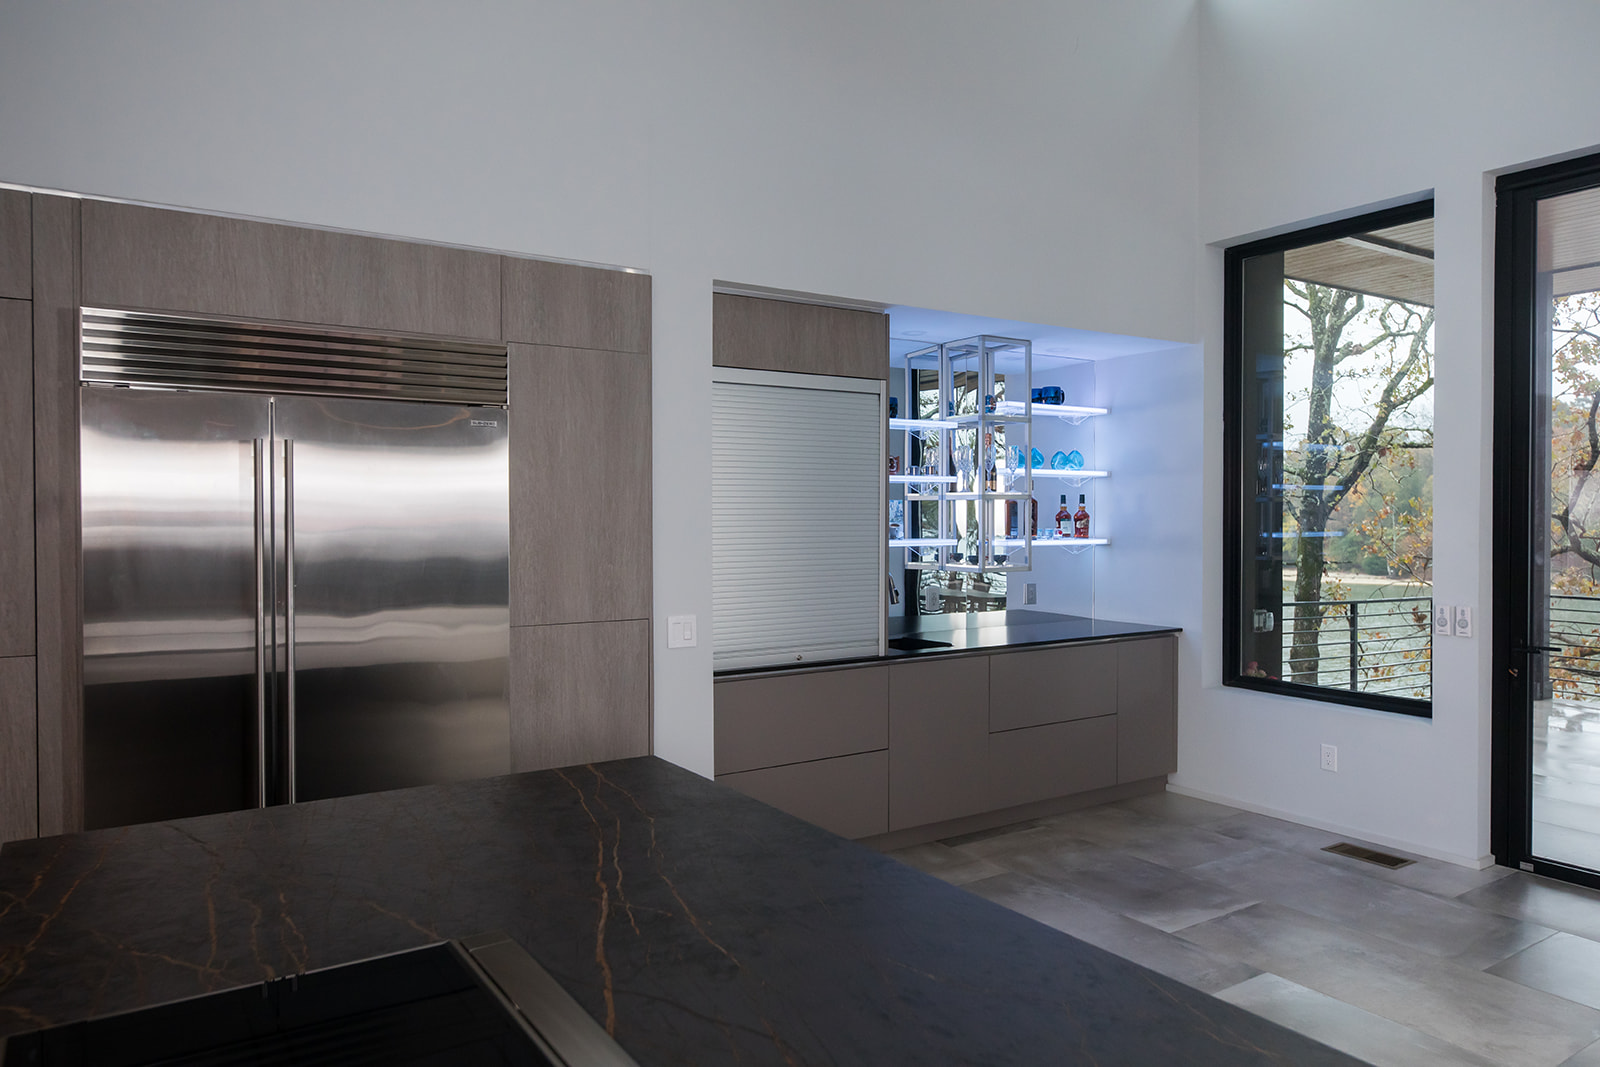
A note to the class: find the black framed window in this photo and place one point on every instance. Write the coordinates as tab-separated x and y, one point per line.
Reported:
1329	452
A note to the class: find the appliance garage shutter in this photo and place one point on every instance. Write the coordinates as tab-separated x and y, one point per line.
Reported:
798	497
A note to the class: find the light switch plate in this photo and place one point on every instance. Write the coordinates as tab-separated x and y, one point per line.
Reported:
682	632
1030	593
1443	620
1463	622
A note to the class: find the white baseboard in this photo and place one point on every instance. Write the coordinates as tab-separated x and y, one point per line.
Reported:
1475	863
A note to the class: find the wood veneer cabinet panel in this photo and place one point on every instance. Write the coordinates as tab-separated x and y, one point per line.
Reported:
803	338
938	735
580	693
19	784
580	485
1057	760
1051	685
575	307
16	244
16	480
1147	708
154	258
790	718
848	795
56	503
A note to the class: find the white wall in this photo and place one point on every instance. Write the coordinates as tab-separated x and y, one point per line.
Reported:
1034	160
1308	110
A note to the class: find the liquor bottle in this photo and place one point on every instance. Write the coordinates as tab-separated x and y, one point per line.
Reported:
1064	519
1080	520
1033	516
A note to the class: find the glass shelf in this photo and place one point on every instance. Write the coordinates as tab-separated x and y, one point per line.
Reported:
924	542
922	479
1073	413
918	425
1075	477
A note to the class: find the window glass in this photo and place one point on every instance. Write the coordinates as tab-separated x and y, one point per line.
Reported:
1331	360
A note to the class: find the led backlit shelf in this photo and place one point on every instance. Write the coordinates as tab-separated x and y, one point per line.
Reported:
924	542
1075	477
922	424
1058	542
1073	413
920	479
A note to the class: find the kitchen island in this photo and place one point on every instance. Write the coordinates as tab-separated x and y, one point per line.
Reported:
698	925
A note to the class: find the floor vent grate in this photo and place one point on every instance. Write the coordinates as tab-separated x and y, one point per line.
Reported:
1369	855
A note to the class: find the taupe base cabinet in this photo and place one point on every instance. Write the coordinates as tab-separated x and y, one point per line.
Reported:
889	748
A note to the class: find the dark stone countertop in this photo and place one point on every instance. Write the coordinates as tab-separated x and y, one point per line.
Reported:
698	925
979	631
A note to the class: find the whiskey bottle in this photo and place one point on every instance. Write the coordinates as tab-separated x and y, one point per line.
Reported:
1080	520
1064	518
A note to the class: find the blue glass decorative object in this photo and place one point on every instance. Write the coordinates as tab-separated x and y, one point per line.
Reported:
1074	460
1058	462
1038	460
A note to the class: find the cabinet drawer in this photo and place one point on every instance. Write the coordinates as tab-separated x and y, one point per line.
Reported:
1052	685
1057	760
765	722
847	794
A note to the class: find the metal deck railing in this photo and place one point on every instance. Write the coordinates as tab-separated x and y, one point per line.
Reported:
1381	646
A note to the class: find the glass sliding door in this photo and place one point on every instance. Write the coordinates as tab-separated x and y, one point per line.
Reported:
1548	560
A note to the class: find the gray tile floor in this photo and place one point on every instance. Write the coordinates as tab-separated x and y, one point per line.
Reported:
1428	964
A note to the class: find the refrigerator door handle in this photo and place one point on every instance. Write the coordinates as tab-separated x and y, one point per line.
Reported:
258	451
288	610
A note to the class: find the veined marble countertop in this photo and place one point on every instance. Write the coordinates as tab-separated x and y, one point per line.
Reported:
698	925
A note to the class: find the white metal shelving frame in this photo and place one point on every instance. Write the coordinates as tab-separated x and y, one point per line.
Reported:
987	459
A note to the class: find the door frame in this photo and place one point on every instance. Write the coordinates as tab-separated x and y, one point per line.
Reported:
1515	391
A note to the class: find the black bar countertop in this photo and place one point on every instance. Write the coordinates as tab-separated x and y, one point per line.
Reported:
698	925
978	631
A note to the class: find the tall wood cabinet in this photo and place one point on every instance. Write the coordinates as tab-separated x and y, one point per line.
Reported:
580	382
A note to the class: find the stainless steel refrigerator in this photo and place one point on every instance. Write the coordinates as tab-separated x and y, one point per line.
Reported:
287	597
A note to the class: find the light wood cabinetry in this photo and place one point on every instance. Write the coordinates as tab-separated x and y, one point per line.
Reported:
580	693
158	259
575	307
16	478
1147	708
16	245
952	737
580	485
780	335
938	732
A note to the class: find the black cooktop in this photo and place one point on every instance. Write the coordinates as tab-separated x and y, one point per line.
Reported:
481	1001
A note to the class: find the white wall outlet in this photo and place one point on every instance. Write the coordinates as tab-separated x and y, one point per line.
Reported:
682	632
1463	622
1330	758
1443	620
1030	593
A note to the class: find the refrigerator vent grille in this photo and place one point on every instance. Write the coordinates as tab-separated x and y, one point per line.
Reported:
191	352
